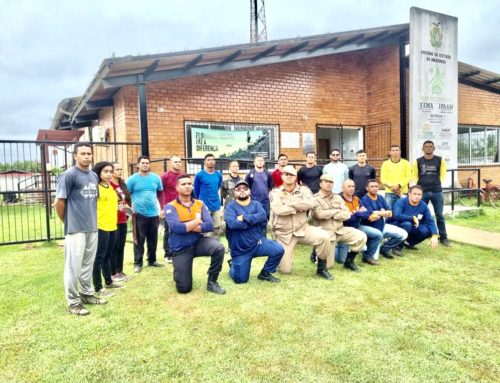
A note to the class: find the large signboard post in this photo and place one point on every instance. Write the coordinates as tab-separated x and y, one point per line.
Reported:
433	84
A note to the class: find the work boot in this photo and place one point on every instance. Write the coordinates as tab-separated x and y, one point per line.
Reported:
213	286
322	271
267	276
349	261
313	255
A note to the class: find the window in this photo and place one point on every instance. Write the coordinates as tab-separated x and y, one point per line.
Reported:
478	145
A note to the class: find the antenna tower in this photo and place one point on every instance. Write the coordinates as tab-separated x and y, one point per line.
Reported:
258	31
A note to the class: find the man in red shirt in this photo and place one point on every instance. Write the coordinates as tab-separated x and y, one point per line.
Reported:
169	181
282	162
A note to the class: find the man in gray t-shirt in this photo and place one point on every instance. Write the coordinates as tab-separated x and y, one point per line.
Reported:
76	206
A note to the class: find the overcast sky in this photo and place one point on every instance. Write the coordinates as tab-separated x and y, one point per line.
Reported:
50	50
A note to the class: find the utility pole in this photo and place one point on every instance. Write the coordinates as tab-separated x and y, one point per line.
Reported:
258	31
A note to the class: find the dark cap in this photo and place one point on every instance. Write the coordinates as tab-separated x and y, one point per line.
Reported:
241	182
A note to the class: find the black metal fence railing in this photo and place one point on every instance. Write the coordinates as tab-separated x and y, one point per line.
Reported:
28	175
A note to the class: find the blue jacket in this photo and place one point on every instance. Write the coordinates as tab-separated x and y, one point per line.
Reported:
403	211
243	236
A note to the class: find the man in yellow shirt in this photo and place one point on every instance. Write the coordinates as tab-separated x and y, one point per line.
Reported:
395	175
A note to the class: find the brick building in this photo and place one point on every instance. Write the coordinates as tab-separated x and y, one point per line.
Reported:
343	90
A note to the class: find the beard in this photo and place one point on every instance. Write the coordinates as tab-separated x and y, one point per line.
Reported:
243	197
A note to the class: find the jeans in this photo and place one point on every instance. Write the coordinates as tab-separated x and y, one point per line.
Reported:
119	251
147	230
102	263
372	245
183	262
391	198
437	203
267	208
394	236
165	240
415	234
240	265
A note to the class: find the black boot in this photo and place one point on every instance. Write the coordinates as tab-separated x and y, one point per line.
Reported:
267	276
213	286
349	261
322	271
313	255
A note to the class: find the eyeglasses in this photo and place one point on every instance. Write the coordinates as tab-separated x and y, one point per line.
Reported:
289	174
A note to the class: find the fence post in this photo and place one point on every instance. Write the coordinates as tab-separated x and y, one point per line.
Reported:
452	189
45	187
479	187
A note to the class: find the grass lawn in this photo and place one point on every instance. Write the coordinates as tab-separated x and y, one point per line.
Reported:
426	317
488	220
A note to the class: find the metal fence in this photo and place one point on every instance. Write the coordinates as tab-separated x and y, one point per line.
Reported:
28	175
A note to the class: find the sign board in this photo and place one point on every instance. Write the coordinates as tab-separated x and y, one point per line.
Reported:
433	84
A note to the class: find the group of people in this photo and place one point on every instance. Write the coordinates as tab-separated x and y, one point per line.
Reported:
336	210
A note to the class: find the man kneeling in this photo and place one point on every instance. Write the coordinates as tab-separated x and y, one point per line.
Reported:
245	220
187	219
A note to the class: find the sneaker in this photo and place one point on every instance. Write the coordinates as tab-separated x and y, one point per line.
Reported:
266	276
125	277
410	247
156	264
78	310
114	285
371	261
386	255
398	252
445	242
93	299
102	293
137	269
117	277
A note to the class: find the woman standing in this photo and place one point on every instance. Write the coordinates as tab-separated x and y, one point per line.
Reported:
124	203
107	205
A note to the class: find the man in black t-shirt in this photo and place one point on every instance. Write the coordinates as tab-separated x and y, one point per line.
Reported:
309	174
361	173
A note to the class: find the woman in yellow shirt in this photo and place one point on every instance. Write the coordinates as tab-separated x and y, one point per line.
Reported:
107	206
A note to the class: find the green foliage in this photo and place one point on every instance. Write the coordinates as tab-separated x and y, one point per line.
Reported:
27	166
426	317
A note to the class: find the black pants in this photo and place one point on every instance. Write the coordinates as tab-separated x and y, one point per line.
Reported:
147	230
118	254
183	262
165	241
102	262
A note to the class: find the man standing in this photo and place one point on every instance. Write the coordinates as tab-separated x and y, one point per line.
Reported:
207	184
290	203
278	172
227	192
358	214
330	212
429	171
379	210
361	173
147	191
169	180
261	183
244	220
414	217
395	175
309	174
188	219
76	206
338	170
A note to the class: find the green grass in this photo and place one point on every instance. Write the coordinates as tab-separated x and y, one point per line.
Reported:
487	219
426	317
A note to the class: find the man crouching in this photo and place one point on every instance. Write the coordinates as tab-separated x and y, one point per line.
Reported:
187	219
245	223
330	212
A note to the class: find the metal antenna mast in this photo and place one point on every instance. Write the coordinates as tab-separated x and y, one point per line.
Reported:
258	31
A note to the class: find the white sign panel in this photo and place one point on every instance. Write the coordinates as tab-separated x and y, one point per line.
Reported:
308	142
290	140
433	84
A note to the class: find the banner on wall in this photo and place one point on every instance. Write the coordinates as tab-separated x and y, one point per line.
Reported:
433	84
241	142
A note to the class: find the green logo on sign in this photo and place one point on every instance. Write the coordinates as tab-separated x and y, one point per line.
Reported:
436	35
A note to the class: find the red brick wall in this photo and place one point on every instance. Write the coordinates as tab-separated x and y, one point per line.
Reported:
296	95
477	106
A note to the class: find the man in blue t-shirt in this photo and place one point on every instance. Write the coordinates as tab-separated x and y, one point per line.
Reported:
146	190
207	183
413	215
261	183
